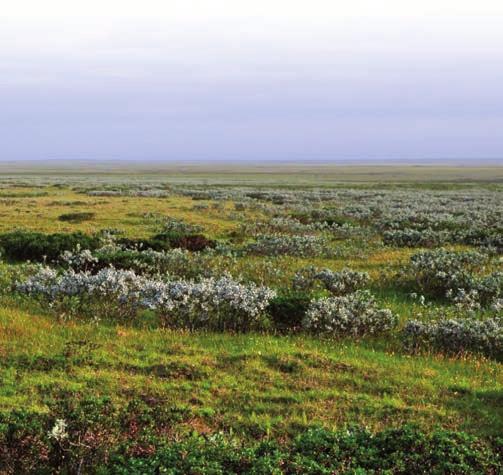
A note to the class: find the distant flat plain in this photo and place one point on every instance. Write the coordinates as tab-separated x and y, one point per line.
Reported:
252	173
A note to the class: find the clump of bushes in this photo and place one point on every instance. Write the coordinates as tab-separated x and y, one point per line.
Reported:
178	226
355	314
487	237
279	244
275	225
450	274
178	263
415	237
192	242
343	282
83	444
77	217
287	310
213	304
39	247
171	240
482	292
108	293
489	288
457	336
439	270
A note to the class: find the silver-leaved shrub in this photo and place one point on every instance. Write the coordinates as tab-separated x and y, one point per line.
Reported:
456	336
342	282
355	314
438	271
212	303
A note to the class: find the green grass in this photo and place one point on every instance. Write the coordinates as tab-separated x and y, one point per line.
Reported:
251	385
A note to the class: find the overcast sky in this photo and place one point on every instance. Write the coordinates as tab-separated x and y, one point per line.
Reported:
251	80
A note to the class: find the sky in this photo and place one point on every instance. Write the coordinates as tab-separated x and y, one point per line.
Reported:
254	80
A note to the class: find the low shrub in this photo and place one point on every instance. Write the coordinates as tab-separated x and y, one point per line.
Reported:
455	275
353	315
456	336
415	238
92	435
39	247
275	225
403	450
279	244
79	260
193	242
213	304
490	288
77	217
171	240
483	292
438	271
343	282
108	293
490	237
287	310
178	226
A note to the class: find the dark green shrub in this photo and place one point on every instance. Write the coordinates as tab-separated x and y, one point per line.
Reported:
403	451
99	438
76	217
125	259
166	241
35	246
287	310
191	242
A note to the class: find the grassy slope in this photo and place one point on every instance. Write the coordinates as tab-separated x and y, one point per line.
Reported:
250	384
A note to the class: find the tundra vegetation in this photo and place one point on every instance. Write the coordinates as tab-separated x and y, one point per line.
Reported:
161	325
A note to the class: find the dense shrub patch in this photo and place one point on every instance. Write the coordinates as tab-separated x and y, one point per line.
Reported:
94	438
180	227
318	451
457	336
211	303
450	274
415	237
35	246
173	263
287	310
337	283
76	217
192	242
438	271
170	240
278	244
354	314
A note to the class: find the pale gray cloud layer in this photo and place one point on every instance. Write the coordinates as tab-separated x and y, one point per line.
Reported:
258	80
